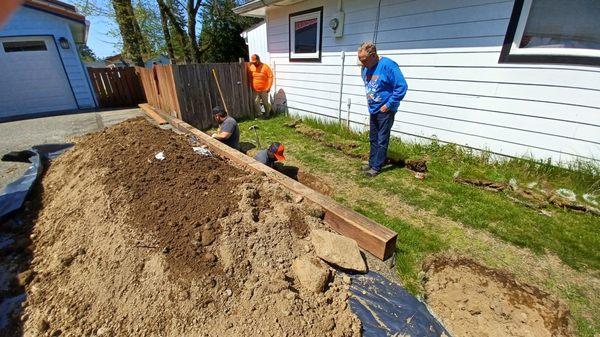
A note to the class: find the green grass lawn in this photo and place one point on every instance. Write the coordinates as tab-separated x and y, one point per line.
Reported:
572	237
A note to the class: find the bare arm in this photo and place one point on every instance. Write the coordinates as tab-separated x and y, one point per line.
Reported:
221	135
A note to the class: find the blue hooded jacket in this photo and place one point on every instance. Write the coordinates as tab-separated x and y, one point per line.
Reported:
384	84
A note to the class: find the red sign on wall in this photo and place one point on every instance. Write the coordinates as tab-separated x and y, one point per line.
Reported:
305	23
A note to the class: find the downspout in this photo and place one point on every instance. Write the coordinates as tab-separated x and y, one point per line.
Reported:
376	30
341	88
339	7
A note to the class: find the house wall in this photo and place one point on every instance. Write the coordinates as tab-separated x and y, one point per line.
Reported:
256	38
458	92
28	22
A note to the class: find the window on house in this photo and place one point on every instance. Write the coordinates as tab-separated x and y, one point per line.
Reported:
16	46
305	35
553	31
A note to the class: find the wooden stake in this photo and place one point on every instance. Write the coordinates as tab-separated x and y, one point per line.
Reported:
214	72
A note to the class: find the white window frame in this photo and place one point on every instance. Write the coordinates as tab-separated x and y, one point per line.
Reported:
316	13
516	50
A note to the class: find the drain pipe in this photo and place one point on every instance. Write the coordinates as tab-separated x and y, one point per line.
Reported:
341	88
348	113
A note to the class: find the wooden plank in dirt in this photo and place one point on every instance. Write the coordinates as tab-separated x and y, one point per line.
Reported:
370	236
152	114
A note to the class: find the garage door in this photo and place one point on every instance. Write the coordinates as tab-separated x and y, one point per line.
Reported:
33	79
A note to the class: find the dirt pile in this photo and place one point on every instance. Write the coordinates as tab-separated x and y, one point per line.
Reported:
472	300
127	244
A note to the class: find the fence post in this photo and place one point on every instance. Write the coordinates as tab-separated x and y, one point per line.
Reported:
343	56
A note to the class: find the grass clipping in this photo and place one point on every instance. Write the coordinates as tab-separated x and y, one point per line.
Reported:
127	244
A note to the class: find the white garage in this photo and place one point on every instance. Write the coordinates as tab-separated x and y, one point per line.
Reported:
41	70
33	78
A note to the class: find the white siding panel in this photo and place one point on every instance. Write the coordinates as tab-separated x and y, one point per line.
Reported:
257	42
573	115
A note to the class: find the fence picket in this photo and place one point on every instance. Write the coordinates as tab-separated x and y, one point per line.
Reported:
119	87
189	91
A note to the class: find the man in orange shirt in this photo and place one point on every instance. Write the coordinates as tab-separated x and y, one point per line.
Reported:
261	79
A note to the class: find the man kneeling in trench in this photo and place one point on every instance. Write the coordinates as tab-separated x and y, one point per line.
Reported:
271	155
228	132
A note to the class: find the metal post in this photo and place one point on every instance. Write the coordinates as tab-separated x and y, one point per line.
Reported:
348	116
341	89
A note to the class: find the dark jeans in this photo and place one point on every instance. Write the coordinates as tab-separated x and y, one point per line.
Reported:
379	137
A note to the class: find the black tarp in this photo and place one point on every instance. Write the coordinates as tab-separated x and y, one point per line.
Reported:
14	194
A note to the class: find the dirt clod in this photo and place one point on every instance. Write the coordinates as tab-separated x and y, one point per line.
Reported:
311	273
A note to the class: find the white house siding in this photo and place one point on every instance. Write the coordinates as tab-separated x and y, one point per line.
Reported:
256	38
458	92
31	22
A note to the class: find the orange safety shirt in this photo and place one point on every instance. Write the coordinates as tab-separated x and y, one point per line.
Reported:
261	77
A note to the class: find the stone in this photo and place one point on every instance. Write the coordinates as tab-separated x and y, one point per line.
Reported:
311	273
104	331
25	277
43	326
338	250
207	237
209	257
346	279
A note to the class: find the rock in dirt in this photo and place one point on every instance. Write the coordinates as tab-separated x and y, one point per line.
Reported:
311	273
25	277
338	250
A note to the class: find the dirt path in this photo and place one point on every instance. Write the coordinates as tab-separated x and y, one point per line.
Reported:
129	245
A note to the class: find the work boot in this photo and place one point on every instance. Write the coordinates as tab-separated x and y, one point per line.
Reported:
372	173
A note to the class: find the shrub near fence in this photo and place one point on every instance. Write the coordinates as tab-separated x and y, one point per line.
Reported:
189	92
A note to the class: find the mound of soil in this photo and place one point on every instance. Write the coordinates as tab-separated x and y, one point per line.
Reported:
127	245
472	300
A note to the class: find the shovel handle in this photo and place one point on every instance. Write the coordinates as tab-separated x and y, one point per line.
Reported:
214	72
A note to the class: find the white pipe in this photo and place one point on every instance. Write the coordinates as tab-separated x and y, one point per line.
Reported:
348	116
339	5
341	88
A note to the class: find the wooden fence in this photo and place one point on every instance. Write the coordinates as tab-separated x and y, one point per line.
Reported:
189	92
117	87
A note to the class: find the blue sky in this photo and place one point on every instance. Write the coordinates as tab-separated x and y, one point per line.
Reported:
98	40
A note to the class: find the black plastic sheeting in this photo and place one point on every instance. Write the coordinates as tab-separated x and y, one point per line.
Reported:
14	194
387	309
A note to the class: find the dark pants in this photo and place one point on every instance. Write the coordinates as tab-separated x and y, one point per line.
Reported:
379	137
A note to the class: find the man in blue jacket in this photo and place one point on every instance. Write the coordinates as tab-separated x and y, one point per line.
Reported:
386	87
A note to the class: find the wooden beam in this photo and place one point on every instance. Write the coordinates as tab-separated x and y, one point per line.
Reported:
152	114
370	236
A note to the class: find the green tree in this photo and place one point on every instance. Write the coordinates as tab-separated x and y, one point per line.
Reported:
86	53
134	43
146	15
220	38
182	26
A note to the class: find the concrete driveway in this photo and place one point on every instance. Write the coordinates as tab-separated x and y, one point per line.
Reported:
21	135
